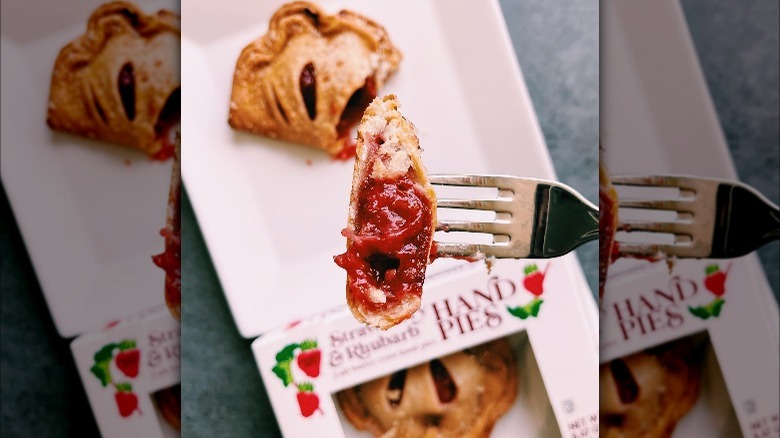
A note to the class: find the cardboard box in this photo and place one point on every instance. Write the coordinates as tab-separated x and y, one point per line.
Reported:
130	370
708	314
534	307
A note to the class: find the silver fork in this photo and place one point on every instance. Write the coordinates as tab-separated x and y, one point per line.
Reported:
534	218
715	218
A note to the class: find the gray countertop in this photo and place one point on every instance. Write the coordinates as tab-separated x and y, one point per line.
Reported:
557	47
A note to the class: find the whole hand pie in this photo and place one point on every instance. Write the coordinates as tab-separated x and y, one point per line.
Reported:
647	393
461	395
119	81
309	79
392	217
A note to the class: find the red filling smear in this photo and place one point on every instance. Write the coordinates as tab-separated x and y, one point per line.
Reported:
352	114
389	248
168	147
607	219
167	122
170	259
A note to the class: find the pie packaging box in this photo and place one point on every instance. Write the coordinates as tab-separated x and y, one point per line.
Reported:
717	305
533	304
139	357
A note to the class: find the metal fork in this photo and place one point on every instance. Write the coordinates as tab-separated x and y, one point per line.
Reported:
715	218
534	218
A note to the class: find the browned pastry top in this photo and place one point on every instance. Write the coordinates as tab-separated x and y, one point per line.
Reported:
310	77
647	393
119	81
461	395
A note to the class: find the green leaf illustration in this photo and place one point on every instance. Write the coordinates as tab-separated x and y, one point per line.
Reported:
716	306
530	268
103	359
308	344
711	269
100	370
699	312
127	344
283	371
287	353
518	312
533	307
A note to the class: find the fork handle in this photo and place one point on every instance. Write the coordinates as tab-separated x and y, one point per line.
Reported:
743	222
564	222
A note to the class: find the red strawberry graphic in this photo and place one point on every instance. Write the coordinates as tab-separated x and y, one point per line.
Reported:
127	361
126	400
308	401
309	358
715	281
534	279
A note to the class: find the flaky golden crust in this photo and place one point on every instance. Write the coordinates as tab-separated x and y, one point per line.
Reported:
398	155
85	99
345	52
485	382
667	381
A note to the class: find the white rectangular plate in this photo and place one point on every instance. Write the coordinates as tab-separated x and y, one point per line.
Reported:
89	213
271	212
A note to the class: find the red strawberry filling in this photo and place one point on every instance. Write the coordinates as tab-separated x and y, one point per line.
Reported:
389	247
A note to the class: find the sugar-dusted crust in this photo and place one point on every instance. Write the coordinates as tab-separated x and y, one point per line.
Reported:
348	54
398	155
85	98
485	382
665	381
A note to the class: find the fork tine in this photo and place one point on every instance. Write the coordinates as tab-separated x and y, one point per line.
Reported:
686	206
492	227
637	249
653	181
465	249
653	227
476	204
470	180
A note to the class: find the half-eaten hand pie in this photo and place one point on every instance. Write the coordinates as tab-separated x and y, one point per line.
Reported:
392	217
647	393
168	402
119	82
461	395
309	79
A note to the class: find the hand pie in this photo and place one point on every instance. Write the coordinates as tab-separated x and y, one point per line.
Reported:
309	79
119	82
608	218
461	395
170	259
392	217
647	393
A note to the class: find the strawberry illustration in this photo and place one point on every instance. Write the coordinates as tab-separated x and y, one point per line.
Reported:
128	358
534	279
715	281
308	401
309	358
126	400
